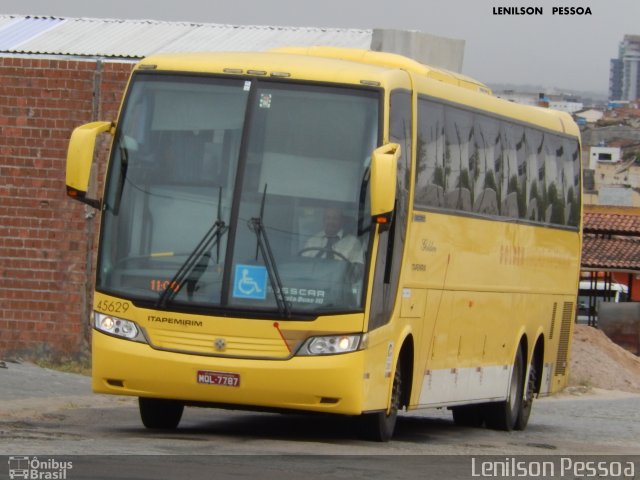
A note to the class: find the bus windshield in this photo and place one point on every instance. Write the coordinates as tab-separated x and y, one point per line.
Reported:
239	195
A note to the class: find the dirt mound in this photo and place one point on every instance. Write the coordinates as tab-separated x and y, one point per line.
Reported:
597	362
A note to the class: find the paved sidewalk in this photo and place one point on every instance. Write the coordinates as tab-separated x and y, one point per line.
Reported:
21	381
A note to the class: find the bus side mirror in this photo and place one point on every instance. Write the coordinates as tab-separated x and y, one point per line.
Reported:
80	159
384	167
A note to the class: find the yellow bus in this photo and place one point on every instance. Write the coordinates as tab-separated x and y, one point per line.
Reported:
331	230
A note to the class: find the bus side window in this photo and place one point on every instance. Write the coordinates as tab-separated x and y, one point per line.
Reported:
430	155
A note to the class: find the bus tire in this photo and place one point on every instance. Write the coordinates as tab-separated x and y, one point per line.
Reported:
158	413
468	415
527	402
379	426
504	415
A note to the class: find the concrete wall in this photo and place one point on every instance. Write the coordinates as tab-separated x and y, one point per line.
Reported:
594	136
621	323
425	48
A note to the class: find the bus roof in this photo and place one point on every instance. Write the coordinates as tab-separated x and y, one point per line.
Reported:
269	64
310	58
389	60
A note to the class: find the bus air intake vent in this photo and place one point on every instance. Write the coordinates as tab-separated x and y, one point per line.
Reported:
553	320
563	345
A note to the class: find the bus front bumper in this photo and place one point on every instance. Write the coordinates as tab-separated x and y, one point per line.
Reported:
330	383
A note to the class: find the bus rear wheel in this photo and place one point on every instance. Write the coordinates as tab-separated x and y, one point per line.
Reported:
379	426
504	415
157	413
527	401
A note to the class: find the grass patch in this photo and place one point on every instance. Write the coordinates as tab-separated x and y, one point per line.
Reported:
67	365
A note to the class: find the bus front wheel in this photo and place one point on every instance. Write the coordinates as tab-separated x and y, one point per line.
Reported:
158	413
379	426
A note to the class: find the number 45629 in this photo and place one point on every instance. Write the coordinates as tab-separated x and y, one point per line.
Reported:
112	306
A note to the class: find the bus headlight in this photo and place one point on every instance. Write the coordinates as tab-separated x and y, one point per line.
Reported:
118	327
332	345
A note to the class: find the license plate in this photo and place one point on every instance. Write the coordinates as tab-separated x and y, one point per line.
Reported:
223	379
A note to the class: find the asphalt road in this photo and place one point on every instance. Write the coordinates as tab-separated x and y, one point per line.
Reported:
50	414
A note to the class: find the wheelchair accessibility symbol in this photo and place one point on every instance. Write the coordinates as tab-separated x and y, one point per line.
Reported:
250	282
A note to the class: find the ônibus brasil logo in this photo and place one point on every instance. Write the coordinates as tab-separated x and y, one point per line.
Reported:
32	468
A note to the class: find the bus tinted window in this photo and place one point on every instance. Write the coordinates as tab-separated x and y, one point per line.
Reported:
430	155
472	162
400	132
458	130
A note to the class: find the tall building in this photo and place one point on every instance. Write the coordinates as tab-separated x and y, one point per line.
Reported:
624	80
615	79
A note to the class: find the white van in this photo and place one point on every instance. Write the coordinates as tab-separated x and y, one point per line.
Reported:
598	292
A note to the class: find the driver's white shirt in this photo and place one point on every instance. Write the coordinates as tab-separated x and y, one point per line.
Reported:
347	245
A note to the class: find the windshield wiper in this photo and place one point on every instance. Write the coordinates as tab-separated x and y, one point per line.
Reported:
197	261
257	226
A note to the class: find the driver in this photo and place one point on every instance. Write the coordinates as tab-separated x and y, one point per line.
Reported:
334	239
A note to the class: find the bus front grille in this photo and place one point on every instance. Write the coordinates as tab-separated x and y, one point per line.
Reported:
220	345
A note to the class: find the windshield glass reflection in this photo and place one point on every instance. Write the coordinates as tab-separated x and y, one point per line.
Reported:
294	237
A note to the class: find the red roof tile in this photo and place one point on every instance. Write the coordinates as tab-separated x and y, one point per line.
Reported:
611	223
611	253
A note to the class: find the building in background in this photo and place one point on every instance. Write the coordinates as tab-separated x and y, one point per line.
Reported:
624	79
557	101
612	174
611	156
603	154
591	115
611	274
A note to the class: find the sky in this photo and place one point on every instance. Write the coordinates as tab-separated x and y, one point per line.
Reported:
565	52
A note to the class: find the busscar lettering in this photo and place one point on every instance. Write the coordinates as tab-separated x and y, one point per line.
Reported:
175	321
304	295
